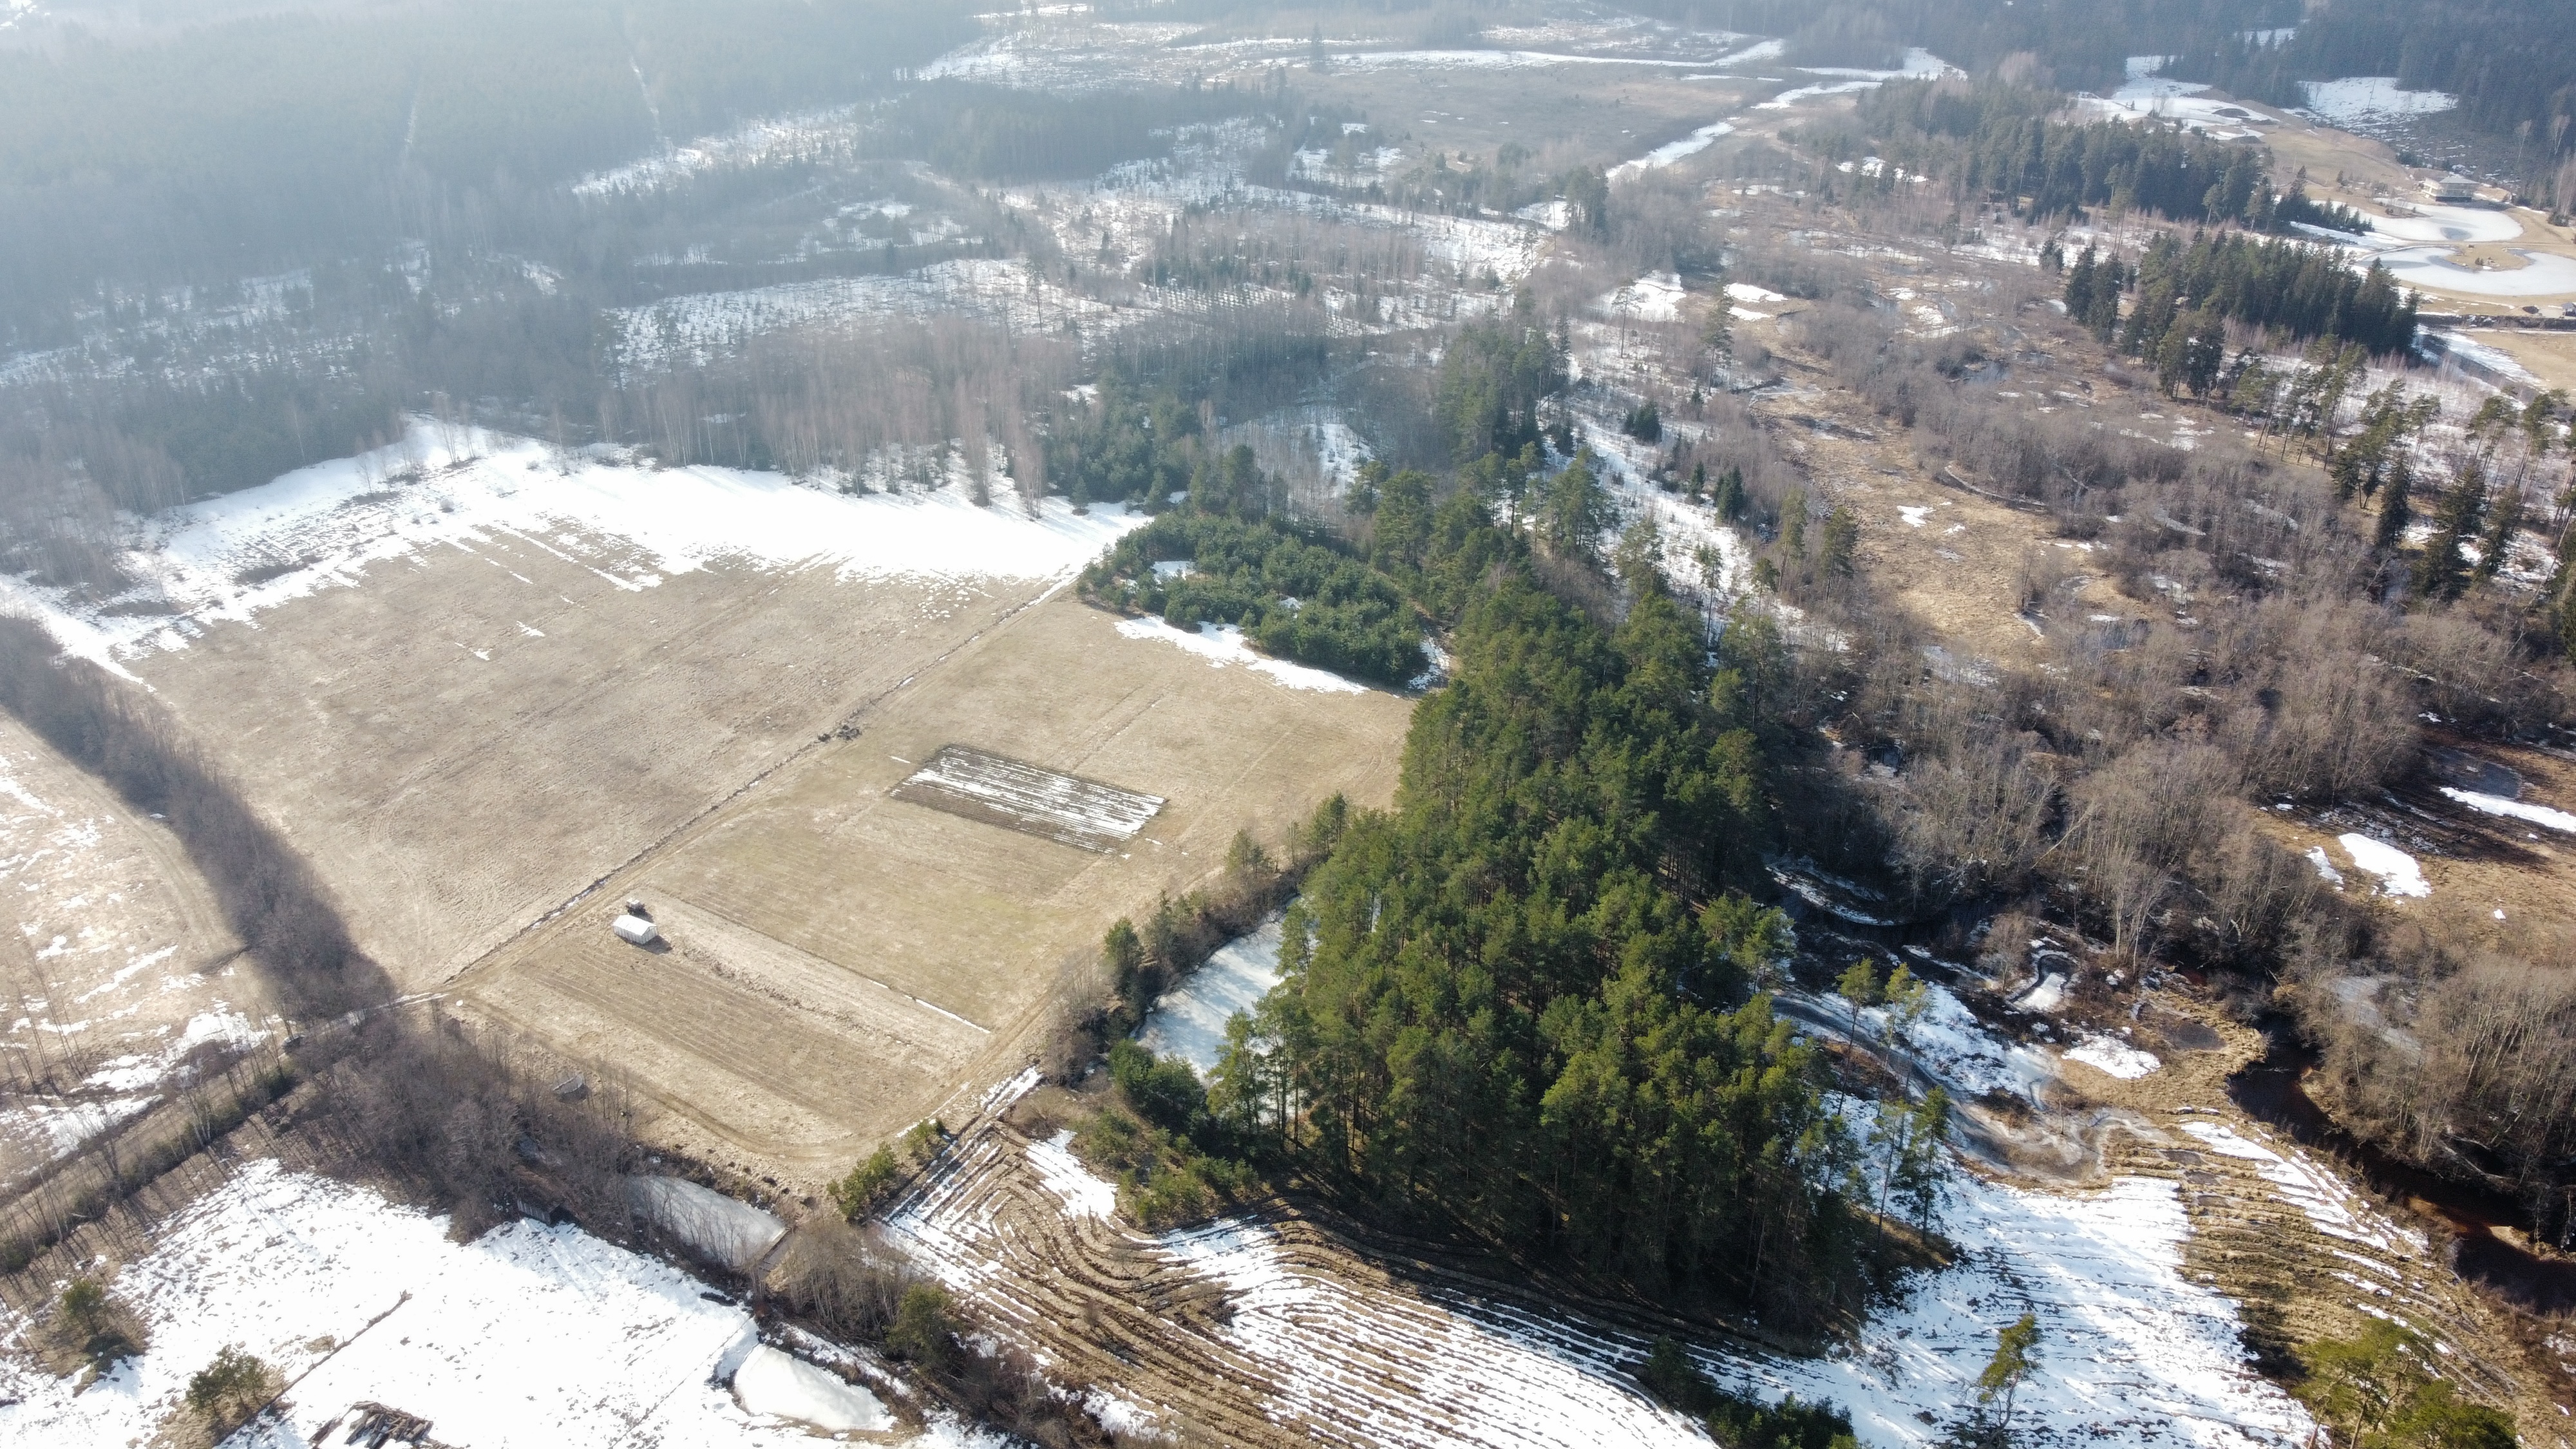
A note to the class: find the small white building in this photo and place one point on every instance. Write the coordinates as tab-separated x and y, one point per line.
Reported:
2452	189
634	930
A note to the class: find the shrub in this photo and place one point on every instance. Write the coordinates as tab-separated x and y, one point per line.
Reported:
925	1328
923	1141
867	1184
228	1390
1741	1421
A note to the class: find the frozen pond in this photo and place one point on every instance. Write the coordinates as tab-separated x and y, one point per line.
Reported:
1189	1020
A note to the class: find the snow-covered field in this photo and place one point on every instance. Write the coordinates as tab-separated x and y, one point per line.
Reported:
327	525
529	1336
2132	1352
2359	102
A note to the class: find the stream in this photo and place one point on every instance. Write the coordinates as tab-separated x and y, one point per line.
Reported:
2274	1090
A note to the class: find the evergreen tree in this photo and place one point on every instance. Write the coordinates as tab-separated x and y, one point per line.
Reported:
2441	574
2015	1357
1575	510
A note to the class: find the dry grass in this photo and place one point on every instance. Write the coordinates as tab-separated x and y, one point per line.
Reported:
448	798
841	962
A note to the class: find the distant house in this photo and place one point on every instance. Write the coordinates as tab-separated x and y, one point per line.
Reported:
2450	189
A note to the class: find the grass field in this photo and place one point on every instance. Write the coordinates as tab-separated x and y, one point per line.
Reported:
477	733
839	962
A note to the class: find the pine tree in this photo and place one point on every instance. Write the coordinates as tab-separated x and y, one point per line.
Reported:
2013	1361
2439	574
2394	512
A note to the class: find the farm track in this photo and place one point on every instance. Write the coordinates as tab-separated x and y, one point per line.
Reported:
1344	1337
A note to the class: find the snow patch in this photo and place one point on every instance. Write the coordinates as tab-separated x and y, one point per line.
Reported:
2325	868
1222	645
1085	1193
2398	873
2114	1057
2517	809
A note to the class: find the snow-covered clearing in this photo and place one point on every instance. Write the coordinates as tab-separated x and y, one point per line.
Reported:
230	558
2131	1351
530	1336
2361	101
701	325
762	142
2517	809
1189	1020
1223	647
1655	297
2398	873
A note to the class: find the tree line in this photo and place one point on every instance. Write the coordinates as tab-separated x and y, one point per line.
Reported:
2512	63
2186	294
1295	591
1999	139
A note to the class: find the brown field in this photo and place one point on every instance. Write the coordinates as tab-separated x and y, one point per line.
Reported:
114	943
475	735
841	962
2549	356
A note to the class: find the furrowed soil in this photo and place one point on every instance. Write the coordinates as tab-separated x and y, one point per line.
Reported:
839	962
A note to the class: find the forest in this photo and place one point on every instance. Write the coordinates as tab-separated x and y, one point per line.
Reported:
2187	293
2512	63
1998	139
258	145
1294	590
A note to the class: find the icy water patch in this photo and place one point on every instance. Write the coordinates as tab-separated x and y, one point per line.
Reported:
783	1386
727	1231
1189	1020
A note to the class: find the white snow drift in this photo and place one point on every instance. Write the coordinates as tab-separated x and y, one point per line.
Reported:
327	525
